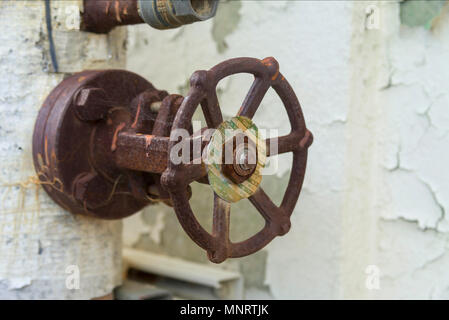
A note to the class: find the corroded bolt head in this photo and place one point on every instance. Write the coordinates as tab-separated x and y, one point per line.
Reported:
91	104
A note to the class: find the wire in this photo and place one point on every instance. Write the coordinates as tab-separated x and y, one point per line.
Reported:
54	61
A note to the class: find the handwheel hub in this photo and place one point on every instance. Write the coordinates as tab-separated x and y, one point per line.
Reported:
235	157
239	159
244	160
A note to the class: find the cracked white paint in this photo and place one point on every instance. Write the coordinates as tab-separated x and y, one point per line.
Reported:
413	226
39	240
377	185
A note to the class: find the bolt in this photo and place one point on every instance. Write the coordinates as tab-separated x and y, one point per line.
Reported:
91	104
168	14
244	160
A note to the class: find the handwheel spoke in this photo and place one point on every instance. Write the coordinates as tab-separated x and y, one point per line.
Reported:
220	228
265	206
211	110
194	172
278	222
280	145
220	249
254	97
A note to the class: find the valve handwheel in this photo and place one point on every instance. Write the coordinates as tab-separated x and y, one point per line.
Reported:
178	176
101	148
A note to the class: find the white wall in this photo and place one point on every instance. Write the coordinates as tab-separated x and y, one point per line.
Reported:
376	99
38	239
413	226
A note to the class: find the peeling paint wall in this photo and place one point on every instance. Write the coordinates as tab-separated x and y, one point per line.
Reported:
374	93
413	226
39	240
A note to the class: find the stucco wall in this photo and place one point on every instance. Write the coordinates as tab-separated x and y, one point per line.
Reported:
40	243
374	93
413	226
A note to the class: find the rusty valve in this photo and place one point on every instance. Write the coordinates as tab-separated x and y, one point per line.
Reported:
104	142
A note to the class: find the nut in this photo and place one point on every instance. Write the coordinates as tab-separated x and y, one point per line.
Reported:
168	14
91	104
244	159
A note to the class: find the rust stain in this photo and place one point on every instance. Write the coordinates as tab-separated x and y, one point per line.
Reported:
47	161
40	161
117	11
148	139
53	157
81	79
114	139
266	62
137	115
275	76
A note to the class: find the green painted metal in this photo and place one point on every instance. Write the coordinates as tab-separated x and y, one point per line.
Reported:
416	13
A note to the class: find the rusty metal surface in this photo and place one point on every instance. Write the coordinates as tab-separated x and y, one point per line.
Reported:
177	176
74	140
101	16
101	147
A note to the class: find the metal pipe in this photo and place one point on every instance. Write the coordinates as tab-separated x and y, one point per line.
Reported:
139	152
101	16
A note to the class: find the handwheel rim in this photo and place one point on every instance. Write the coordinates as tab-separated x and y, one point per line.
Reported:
218	245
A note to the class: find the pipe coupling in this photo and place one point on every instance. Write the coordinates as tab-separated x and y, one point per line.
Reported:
169	14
